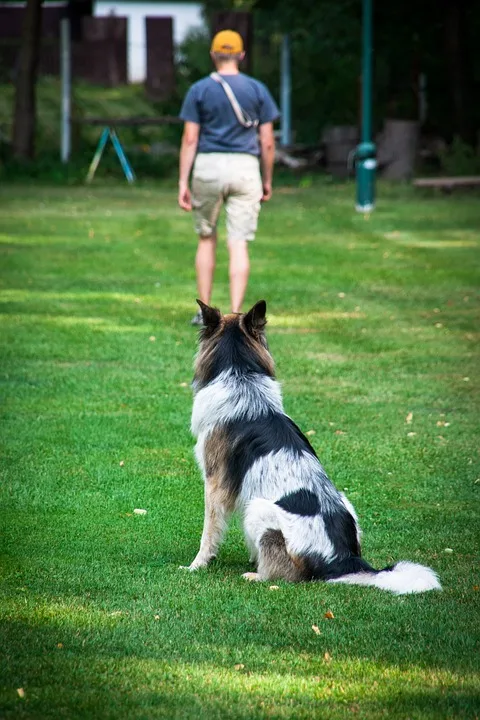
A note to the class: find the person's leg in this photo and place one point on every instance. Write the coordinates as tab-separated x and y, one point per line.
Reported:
239	270
242	206
205	266
207	201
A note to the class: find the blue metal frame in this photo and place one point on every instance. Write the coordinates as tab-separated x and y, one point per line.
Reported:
109	132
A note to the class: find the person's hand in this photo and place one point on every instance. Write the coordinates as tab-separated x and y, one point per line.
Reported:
267	192
184	197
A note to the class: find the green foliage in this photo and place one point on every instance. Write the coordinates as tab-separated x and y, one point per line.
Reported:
460	159
371	319
194	59
325	63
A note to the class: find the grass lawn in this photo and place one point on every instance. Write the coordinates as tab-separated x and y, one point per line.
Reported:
374	325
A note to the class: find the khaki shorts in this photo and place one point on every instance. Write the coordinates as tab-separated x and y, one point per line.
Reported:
232	179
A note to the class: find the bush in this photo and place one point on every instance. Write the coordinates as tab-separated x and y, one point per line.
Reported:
193	61
460	159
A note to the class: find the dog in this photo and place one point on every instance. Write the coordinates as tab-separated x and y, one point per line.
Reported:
254	459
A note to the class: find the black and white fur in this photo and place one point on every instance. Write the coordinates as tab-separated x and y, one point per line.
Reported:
254	459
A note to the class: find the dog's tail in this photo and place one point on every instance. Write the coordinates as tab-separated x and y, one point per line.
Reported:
402	578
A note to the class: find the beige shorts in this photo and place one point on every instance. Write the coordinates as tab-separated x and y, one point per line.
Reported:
232	179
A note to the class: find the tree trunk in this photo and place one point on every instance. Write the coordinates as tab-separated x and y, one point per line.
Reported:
23	140
456	66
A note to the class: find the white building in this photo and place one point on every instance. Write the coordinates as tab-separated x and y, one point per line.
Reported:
186	16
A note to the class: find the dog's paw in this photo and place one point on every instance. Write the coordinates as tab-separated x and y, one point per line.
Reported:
251	576
193	566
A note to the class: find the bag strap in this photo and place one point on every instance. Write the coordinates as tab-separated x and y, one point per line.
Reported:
241	115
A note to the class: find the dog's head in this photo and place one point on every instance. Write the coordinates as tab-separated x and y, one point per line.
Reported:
233	342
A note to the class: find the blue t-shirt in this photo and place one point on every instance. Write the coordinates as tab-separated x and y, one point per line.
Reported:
207	105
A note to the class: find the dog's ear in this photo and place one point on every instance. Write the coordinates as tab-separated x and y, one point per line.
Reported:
211	316
255	319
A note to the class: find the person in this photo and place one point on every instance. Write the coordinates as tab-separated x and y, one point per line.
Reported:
232	157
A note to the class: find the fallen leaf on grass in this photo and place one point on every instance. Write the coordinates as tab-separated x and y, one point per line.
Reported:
152	338
183	384
340	432
59	646
274	587
409	418
140	511
239	666
327	657
21	692
122	463
329	615
411	434
448	550
316	630
310	432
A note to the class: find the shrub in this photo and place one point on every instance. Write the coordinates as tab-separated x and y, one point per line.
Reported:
460	159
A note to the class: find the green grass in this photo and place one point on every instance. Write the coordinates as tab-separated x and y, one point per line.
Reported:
370	320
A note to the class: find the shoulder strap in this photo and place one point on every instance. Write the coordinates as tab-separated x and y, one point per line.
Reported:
241	115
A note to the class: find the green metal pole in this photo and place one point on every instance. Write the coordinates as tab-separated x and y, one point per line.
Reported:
367	52
365	153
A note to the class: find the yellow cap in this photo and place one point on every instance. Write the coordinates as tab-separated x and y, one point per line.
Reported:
227	42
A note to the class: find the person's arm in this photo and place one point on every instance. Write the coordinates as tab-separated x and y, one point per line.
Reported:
188	151
267	158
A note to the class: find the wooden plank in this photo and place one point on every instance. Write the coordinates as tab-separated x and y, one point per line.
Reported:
447	182
128	121
160	82
101	56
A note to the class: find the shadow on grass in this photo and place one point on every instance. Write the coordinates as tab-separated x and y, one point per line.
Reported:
68	672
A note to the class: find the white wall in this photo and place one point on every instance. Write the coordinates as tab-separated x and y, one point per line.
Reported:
186	16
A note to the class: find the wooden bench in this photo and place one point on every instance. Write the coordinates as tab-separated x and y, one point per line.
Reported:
448	183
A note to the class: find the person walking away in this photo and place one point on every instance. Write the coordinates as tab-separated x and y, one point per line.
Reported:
228	140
